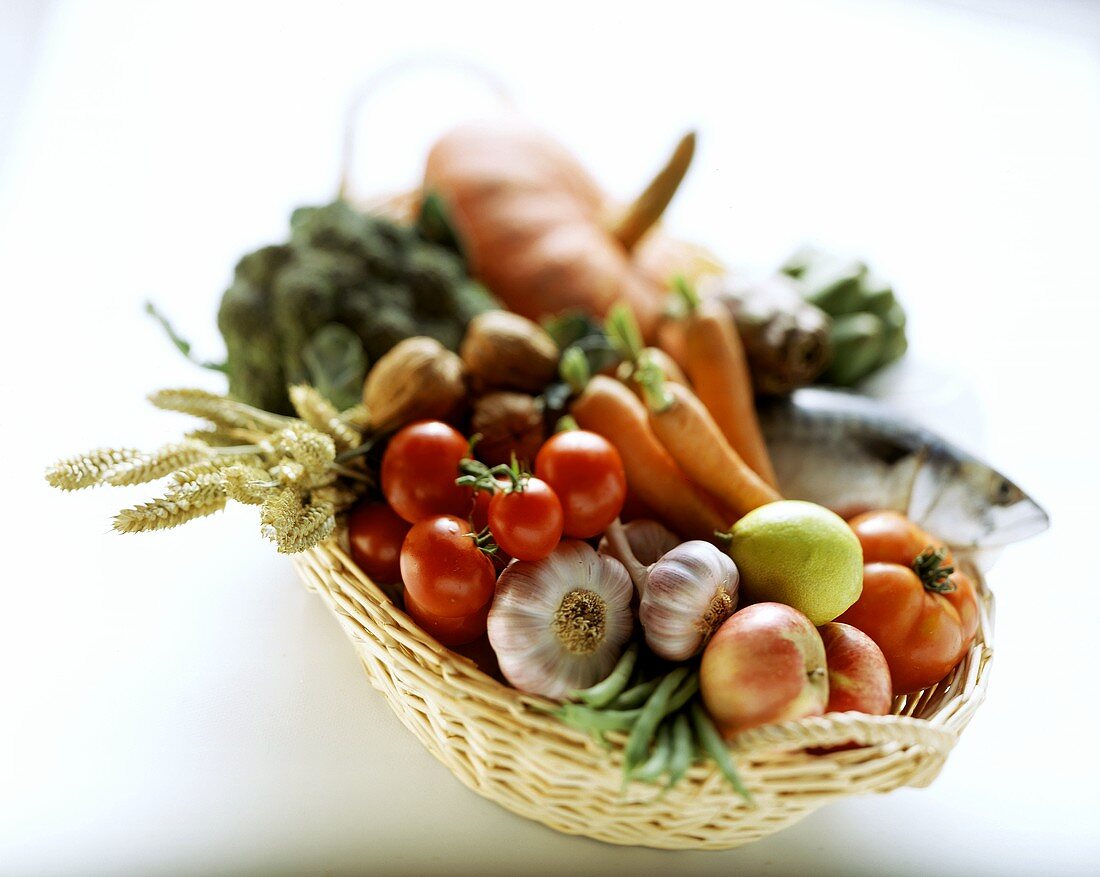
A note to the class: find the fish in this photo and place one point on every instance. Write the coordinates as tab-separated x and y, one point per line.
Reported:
852	454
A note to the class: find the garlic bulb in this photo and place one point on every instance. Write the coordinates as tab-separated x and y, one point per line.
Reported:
559	624
685	595
648	540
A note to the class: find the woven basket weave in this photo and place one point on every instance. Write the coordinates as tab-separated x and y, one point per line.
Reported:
498	742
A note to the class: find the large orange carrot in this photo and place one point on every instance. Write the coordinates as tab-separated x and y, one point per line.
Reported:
689	433
720	375
610	409
710	350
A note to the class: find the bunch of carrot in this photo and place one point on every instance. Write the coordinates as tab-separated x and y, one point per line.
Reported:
694	454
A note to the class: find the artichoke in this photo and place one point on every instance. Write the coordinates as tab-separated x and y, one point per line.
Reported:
868	330
338	295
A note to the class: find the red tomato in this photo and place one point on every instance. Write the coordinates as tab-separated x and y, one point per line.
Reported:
449	631
419	470
443	568
923	621
586	473
375	534
526	521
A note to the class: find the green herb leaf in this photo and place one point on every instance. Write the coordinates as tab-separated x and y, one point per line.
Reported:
181	343
336	364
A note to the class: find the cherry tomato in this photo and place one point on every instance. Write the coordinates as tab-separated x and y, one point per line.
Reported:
375	533
449	631
586	473
923	620
479	517
443	568
526	520
419	470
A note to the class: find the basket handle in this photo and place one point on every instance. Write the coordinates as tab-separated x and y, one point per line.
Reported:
393	73
839	728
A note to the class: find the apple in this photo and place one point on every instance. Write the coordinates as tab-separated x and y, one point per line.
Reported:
765	664
859	678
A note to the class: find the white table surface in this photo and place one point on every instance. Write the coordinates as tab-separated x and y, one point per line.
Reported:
178	704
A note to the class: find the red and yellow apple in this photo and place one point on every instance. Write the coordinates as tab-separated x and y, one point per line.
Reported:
859	678
765	664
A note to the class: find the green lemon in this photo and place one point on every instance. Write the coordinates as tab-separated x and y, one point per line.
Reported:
801	554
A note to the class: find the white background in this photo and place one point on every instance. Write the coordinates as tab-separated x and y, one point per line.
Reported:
177	703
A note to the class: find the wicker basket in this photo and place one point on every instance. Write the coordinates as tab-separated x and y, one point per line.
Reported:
498	742
501	742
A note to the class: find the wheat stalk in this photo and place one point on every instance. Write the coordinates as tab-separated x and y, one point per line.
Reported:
219	410
247	484
87	470
313	526
279	511
322	415
284	465
227	438
149	467
338	495
358	418
302	444
180	505
293	526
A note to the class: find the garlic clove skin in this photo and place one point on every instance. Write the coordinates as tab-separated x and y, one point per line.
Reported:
559	624
689	592
637	546
648	541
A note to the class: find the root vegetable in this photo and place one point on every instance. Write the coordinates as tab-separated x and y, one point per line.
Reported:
610	409
687	431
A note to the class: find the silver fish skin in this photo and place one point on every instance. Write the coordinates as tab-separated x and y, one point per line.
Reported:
851	454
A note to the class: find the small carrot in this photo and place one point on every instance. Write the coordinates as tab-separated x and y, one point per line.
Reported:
607	407
687	430
713	356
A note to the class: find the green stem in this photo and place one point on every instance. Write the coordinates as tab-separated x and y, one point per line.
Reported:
656	394
567	424
181	343
362	450
623	332
477	475
484	542
574	369
934	574
686	295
